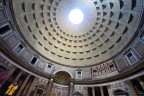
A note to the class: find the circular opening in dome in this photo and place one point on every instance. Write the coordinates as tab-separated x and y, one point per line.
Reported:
76	16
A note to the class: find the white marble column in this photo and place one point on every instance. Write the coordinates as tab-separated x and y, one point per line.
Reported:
71	89
101	89
93	91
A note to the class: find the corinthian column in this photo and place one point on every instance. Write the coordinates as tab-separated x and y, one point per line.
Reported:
71	89
48	93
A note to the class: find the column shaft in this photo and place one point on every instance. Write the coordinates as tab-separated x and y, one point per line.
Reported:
23	85
31	87
101	89
35	92
71	89
48	93
141	83
27	87
93	91
132	88
18	76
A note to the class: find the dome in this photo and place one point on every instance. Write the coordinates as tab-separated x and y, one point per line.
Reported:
72	47
107	28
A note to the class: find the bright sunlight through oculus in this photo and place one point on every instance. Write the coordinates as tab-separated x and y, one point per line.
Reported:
76	16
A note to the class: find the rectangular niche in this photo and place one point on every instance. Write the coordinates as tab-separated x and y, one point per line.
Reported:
139	49
131	57
26	55
121	63
11	40
40	65
86	73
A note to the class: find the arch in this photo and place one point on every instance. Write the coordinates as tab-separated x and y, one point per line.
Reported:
65	71
120	92
62	77
77	94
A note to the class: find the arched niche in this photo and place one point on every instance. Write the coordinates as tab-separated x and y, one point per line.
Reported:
62	77
56	71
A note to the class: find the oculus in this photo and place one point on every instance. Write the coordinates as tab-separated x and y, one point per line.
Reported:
76	16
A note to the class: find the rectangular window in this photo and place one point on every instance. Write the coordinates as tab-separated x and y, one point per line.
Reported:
49	66
131	58
33	61
19	48
79	74
4	29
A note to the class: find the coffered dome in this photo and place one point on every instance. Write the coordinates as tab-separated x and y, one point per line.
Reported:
107	27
